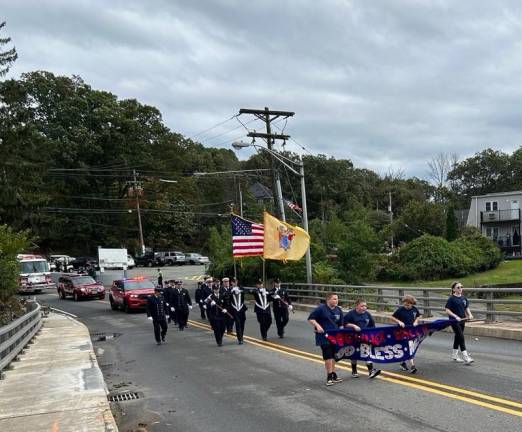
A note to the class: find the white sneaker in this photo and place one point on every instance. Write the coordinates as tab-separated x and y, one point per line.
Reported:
456	358
467	358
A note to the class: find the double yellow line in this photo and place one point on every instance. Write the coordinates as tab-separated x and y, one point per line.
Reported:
470	396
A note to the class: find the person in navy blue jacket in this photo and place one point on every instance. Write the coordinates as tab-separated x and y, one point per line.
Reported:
457	307
407	315
358	319
157	312
327	316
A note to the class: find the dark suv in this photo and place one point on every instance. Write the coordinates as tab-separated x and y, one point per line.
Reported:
131	293
149	259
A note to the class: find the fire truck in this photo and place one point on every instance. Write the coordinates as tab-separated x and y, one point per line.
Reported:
34	274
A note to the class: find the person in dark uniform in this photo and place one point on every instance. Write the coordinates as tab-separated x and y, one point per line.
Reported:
216	313
262	308
238	310
160	278
282	307
168	296
157	312
457	307
182	304
226	292
202	292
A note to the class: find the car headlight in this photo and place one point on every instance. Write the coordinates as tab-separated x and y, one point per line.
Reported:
82	289
133	295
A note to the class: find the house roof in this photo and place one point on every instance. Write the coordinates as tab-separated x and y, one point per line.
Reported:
495	194
260	191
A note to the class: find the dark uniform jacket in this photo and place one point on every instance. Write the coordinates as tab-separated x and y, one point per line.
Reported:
237	303
156	308
202	292
262	301
280	302
180	299
215	312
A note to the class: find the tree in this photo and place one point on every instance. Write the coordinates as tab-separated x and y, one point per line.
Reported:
7	58
439	168
452	229
418	218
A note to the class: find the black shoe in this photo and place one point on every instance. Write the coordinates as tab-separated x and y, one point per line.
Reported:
158	343
413	370
265	338
403	366
374	372
355	375
336	379
240	342
220	344
163	340
281	336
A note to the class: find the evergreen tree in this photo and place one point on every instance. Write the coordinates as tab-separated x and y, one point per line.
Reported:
7	58
451	224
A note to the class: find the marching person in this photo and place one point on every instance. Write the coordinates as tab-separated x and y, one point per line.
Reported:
282	305
238	310
327	316
457	307
157	312
359	318
216	313
407	315
226	292
182	304
168	296
160	278
262	308
202	292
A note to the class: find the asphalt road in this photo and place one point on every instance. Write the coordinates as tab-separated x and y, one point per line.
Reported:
190	384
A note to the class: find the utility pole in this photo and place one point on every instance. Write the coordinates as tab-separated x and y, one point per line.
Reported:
136	189
391	218
268	117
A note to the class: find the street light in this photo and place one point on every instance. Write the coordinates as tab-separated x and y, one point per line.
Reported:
238	145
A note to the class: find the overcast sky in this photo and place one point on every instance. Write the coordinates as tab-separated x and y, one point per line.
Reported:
387	84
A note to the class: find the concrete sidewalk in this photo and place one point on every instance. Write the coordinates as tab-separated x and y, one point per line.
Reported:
503	330
57	384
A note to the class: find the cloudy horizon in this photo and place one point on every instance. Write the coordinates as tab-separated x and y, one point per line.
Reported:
386	84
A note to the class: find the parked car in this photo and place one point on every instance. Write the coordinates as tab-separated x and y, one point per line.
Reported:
130	262
195	258
79	286
81	262
149	259
172	258
131	293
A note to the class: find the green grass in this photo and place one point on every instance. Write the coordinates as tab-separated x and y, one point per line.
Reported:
506	272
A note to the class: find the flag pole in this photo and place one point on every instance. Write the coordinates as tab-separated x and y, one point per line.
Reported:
264	273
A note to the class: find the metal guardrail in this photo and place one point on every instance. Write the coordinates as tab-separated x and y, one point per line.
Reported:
382	297
17	334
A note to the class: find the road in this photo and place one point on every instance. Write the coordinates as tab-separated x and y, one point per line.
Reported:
190	384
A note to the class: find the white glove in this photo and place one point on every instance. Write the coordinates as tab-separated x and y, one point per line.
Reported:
201	301
224	310
212	303
172	309
205	307
167	304
235	290
290	307
190	307
149	318
277	297
167	316
262	290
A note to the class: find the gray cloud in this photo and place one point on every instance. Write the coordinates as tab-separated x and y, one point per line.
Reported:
385	84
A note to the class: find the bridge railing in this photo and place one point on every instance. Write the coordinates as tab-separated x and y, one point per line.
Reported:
17	334
484	301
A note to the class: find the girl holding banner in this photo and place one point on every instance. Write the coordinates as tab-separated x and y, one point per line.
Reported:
457	307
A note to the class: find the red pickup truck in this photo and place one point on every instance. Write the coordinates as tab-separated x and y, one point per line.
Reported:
130	294
79	286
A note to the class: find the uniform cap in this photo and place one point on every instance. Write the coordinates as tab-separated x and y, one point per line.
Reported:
209	279
225	279
178	282
277	280
259	281
157	288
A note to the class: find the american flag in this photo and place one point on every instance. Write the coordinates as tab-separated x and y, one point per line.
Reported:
293	206
247	237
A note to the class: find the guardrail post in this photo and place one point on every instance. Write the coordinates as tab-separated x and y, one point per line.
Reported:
426	304
380	307
490	307
401	295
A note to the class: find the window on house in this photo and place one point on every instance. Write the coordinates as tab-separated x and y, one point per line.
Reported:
492	232
491	205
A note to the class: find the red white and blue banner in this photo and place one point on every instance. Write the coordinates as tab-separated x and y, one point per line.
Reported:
388	344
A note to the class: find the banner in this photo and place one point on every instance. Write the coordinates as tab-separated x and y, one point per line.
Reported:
283	241
388	344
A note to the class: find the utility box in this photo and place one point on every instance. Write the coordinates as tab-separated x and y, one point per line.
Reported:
112	258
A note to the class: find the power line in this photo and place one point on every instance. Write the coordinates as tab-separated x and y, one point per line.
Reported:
212	127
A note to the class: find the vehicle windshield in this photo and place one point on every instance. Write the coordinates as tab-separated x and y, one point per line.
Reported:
35	267
138	284
83	280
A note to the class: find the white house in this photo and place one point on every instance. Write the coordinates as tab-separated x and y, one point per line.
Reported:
497	216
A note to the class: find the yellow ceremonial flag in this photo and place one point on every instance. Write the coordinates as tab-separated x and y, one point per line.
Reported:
283	241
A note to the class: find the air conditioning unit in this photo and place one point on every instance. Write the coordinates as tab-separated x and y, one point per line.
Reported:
492	215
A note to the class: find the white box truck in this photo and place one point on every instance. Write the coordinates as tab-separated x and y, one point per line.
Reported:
112	258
